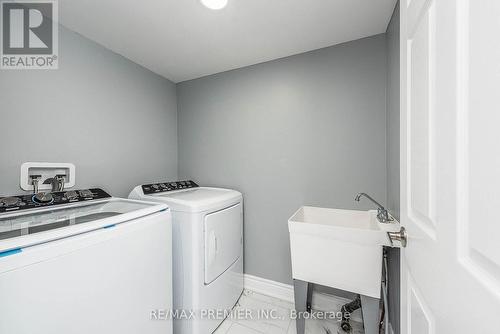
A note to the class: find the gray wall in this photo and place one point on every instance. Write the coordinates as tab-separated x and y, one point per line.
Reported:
115	120
393	159
303	130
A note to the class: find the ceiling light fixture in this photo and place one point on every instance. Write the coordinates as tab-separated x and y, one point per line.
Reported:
214	4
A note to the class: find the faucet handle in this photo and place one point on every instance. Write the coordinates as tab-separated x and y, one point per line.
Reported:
383	216
34	181
61	179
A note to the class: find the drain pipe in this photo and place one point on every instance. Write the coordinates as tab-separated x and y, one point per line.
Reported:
384	292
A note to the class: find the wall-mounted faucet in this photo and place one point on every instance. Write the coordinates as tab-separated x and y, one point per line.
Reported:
34	181
382	214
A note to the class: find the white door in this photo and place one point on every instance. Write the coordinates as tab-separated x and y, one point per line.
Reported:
450	166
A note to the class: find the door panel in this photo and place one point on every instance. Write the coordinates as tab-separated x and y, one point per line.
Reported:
421	149
421	320
450	166
223	240
479	124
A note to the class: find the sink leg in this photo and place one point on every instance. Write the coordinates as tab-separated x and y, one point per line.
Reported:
309	297
302	291
370	310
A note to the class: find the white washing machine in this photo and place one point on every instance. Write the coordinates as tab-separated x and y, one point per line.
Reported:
84	262
207	232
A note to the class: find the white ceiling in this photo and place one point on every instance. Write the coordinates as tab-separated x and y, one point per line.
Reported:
182	40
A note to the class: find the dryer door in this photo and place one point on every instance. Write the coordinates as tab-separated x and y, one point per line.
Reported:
223	240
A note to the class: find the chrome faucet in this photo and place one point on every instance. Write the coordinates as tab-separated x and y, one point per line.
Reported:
382	214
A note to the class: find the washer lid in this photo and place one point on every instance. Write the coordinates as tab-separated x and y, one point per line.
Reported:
199	199
22	229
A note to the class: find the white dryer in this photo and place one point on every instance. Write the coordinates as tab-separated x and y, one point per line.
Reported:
207	233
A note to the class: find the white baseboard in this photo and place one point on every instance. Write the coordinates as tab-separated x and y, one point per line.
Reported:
320	301
269	288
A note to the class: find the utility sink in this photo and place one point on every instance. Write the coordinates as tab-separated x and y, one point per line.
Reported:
339	248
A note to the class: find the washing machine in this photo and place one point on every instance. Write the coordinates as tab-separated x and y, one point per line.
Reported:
207	233
81	261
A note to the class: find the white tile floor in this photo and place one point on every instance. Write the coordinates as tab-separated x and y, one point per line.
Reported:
280	322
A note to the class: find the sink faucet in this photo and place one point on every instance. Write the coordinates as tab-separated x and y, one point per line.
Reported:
382	214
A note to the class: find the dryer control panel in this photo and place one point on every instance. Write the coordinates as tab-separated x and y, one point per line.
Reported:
167	186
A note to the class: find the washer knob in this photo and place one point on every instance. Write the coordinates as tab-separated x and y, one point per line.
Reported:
85	193
10	201
43	198
69	195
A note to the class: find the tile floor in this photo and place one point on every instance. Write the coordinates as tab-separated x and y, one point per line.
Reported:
252	303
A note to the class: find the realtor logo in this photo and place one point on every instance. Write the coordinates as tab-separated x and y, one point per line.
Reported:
29	33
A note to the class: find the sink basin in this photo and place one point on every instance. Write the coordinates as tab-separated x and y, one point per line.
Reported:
339	248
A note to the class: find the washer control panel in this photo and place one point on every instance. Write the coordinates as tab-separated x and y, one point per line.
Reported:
45	199
167	186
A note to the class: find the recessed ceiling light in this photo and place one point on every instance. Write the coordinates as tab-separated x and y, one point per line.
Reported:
214	4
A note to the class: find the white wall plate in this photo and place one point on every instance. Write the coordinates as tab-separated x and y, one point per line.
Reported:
46	170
